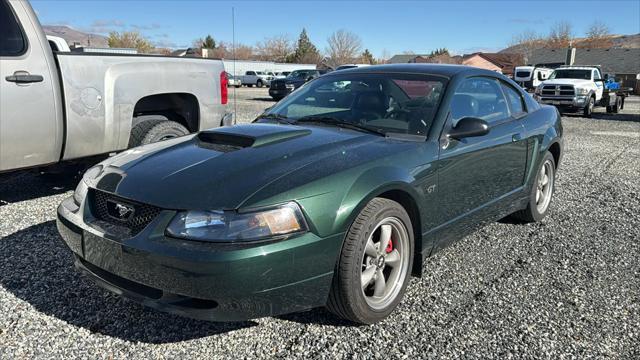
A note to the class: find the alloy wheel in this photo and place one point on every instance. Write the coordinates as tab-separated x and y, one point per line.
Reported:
385	263
544	189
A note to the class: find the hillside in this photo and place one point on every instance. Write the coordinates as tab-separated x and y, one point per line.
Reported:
72	35
619	41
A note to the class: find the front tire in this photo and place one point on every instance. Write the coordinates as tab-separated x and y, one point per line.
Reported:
541	192
374	265
259	83
588	109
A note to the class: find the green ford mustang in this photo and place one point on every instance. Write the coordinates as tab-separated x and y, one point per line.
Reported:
333	197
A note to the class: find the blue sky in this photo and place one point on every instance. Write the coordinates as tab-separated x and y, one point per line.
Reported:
384	26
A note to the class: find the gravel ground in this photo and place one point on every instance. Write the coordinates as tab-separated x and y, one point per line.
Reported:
568	287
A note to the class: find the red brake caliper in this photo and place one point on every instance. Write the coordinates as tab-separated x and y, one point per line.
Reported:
389	246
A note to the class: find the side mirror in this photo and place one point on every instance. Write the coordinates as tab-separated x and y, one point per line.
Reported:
309	78
469	127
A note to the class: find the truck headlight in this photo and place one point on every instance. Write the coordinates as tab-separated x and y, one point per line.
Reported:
232	226
582	91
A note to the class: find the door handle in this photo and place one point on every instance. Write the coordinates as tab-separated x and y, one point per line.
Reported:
516	137
21	77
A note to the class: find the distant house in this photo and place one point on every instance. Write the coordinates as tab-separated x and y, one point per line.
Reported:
500	62
623	63
425	58
405	58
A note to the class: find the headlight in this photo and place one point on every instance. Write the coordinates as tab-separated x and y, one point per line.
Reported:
582	91
81	190
232	226
80	193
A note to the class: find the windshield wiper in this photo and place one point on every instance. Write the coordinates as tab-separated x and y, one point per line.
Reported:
282	119
339	123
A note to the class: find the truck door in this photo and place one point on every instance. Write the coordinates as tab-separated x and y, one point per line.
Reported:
597	78
30	121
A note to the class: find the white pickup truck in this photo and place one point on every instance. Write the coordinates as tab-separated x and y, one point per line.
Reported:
578	88
257	78
66	105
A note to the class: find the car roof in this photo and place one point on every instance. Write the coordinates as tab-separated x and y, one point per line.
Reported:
447	70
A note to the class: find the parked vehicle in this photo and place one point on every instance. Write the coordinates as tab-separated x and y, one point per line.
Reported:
233	81
58	44
350	66
282	87
65	105
282	74
529	77
579	88
257	78
333	198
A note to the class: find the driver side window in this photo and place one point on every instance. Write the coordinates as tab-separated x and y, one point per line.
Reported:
479	97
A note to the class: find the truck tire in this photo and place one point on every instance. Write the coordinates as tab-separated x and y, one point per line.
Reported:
153	129
259	84
615	108
588	109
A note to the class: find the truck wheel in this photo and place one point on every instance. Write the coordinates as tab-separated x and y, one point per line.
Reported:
541	192
155	129
373	269
588	109
259	83
616	107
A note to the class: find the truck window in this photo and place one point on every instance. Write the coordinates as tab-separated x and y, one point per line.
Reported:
596	75
250	73
12	41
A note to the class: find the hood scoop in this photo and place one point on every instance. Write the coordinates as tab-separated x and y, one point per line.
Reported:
227	139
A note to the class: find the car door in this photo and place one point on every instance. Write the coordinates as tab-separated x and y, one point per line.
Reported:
478	176
30	133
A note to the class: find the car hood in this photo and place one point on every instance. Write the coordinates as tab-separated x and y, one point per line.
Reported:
575	82
222	168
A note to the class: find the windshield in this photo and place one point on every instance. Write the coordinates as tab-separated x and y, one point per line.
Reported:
299	73
387	103
523	74
571	74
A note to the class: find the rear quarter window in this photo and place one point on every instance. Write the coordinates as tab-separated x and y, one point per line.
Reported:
12	40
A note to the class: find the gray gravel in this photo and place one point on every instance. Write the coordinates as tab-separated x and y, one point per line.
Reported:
568	287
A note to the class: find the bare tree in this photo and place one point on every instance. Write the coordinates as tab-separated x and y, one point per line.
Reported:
277	48
244	52
384	56
129	39
561	35
598	36
343	47
525	43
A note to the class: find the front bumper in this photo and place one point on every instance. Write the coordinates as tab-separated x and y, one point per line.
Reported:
207	281
577	102
280	92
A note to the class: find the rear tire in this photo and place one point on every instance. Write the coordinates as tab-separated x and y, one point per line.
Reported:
371	277
541	192
616	107
155	129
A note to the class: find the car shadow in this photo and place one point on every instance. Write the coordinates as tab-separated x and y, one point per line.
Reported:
30	184
608	117
38	268
266	99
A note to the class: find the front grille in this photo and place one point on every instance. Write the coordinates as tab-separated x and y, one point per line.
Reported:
277	85
143	214
558	90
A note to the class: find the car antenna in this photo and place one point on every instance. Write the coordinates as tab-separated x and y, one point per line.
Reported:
233	32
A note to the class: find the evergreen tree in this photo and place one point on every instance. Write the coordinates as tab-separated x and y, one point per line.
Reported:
367	57
208	43
305	51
